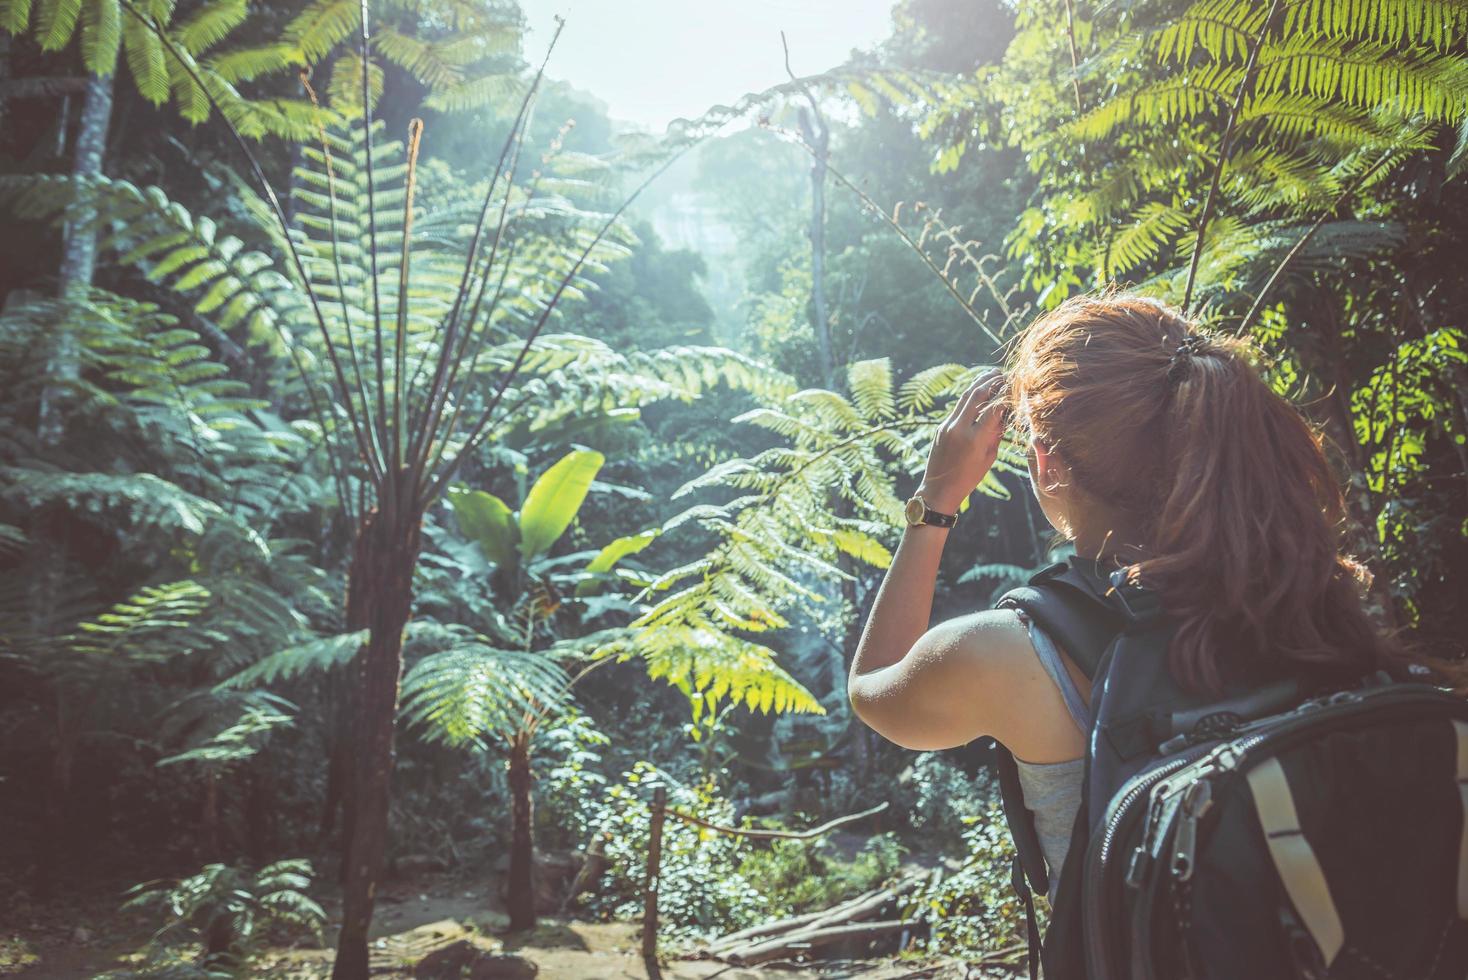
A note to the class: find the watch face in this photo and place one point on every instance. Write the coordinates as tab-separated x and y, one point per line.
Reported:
915	510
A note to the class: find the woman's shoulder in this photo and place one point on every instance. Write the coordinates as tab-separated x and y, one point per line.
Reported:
968	677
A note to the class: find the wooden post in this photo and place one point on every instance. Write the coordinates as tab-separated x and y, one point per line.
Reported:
654	866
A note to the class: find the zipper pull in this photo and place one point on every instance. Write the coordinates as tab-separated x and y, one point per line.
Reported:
1196	802
1138	866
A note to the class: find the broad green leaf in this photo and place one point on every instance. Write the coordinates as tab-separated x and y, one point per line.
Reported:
621	548
614	552
487	521
553	501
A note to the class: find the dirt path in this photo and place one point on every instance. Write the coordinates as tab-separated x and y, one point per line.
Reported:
78	939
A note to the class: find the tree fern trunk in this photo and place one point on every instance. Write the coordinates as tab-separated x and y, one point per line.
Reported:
379	590
520	888
79	247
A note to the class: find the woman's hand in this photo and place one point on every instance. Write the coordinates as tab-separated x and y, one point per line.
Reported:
966	445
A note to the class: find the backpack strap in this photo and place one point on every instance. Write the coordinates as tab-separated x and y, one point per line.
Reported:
1068	601
1020	821
1071	602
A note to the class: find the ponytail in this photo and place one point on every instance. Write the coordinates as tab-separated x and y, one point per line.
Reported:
1240	508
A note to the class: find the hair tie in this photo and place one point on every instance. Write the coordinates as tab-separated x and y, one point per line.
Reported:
1192	345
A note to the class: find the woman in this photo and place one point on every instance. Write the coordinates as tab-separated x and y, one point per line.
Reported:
1153	447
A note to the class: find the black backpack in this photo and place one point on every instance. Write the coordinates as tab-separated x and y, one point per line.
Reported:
1249	838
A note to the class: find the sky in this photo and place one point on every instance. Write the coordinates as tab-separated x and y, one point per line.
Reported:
653	61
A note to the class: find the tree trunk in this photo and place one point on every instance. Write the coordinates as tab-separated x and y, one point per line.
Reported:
337	694
379	594
79	247
48	552
520	888
816	135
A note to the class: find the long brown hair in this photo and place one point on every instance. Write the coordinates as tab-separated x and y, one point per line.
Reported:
1241	511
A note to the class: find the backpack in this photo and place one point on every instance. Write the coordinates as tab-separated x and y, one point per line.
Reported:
1253	836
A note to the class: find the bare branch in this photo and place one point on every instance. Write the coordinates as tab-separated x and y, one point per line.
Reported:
759	834
428	422
364	49
477	431
1258	304
400	338
375	462
1075	60
917	249
1224	145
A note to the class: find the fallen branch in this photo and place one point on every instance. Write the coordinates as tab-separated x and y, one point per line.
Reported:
811	834
804	940
848	911
869	905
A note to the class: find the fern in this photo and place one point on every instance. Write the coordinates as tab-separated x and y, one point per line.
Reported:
314	655
162	71
1339	87
473	691
780	537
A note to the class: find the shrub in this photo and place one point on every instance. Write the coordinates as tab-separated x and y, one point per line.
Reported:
214	920
974	910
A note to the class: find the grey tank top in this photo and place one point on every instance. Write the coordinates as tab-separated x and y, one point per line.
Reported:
1052	790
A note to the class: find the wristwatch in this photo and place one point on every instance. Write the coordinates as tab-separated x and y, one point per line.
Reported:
918	512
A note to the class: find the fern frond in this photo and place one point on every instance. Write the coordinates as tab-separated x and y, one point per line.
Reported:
871	388
321	653
210	24
101	35
473	691
321	26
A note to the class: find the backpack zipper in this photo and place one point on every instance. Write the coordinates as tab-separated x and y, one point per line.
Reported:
1094	907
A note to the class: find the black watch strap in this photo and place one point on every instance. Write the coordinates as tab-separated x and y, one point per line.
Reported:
931	516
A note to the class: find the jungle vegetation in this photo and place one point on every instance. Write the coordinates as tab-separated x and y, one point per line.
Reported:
378	485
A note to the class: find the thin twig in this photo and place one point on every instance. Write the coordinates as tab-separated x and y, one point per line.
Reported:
447	328
1258	305
759	834
927	260
364	49
1224	145
478	429
1075	60
400	338
374	462
456	357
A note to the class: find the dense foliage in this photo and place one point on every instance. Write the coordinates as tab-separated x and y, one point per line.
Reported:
364	500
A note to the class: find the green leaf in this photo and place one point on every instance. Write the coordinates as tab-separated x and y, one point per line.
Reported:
321	653
614	552
862	547
553	501
101	35
621	548
14	15
487	521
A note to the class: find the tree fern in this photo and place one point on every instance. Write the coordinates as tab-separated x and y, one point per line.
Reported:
178	70
1338	86
779	537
